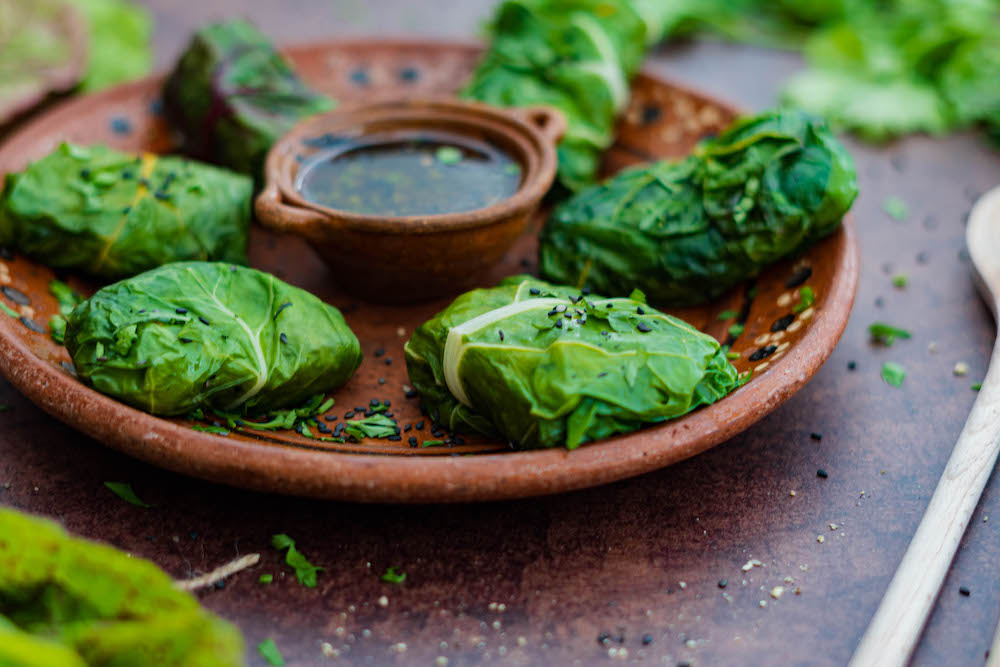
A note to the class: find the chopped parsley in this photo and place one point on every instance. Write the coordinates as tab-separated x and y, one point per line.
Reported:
10	311
806	298
900	280
57	329
391	576
893	373
895	208
727	314
977	386
209	428
266	578
269	650
736	330
124	491
305	571
432	443
886	334
448	155
376	426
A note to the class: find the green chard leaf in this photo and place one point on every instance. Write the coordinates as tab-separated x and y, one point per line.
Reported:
643	227
121	42
124	491
305	571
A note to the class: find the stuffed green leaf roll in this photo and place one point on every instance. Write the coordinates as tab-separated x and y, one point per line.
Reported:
231	95
66	601
210	334
575	55
685	232
113	214
546	366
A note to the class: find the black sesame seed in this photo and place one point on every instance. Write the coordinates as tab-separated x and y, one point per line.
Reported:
534	291
822	474
374	402
181	311
816	436
647	639
851	365
361	409
412	441
204	321
501	336
643	327
280	308
379	352
799	277
349	414
381	380
559	324
162	196
121	125
283	338
640	311
782	323
85	173
408	428
964	590
459	440
419	425
15	295
388	361
387	403
331	418
34	327
723	583
585	291
409	74
604	639
763	353
6	253
410	393
360	77
369	413
185	340
395	438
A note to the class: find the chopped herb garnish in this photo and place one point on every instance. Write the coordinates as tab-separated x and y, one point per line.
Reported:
732	356
266	578
375	426
432	443
977	386
209	428
806	298
305	571
269	650
124	491
727	315
900	280
893	373
57	329
448	155
736	330
896	208
10	311
393	577
886	334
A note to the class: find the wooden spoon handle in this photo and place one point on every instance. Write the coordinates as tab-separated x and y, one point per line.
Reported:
893	632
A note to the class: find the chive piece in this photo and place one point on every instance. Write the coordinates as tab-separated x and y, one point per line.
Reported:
432	443
886	334
266	578
727	315
305	571
391	576
269	651
893	373
736	330
806	298
977	386
124	491
10	311
900	280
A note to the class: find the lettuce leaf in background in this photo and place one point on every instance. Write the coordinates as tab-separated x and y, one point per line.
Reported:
120	42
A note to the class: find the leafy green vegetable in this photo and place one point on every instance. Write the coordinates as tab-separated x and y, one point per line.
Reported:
895	208
124	491
376	426
113	214
269	651
43	43
305	571
231	95
543	366
57	329
68	601
687	231
893	373
208	334
806	298
391	576
575	55
886	334
210	428
120	42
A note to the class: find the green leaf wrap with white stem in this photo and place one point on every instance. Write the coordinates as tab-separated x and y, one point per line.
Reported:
215	335
544	366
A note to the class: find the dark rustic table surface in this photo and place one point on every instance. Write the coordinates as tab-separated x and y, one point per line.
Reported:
640	562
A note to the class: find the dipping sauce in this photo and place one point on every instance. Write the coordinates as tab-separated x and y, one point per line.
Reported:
412	173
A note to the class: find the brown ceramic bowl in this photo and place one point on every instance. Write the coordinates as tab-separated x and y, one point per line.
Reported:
409	258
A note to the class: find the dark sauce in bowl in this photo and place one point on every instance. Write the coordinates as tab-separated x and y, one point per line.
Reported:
414	173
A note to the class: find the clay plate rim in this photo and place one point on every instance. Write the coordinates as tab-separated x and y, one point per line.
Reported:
374	478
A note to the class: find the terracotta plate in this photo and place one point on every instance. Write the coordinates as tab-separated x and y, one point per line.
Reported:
783	348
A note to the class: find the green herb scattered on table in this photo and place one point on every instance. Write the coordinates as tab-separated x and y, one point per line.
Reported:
124	491
448	155
900	280
209	428
806	299
432	443
727	315
886	334
266	578
9	311
688	231
545	366
895	208
391	576
269	651
736	330
212	335
305	571
977	386
893	373
60	212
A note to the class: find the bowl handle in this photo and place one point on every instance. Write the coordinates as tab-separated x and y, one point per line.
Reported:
549	121
273	212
